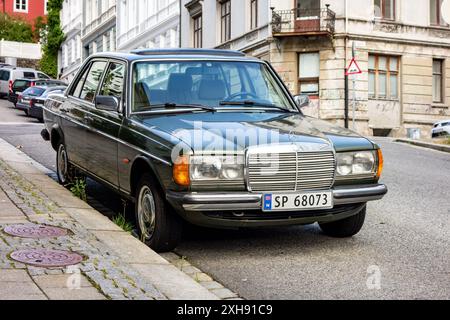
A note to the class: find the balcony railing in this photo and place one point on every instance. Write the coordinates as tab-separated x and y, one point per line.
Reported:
108	14
303	21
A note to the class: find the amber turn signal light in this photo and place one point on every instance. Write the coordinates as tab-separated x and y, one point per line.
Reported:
181	171
380	163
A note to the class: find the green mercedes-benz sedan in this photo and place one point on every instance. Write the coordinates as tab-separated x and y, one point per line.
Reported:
211	137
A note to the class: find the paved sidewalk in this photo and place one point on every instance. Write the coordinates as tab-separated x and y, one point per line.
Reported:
115	265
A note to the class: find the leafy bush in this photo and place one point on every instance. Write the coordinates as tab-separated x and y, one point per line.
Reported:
15	29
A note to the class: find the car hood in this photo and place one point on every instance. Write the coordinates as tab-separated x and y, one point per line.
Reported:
240	130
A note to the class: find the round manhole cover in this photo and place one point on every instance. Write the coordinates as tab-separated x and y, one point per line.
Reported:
46	258
34	231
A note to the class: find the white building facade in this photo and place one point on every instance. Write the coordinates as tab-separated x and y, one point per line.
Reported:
148	24
69	58
230	24
99	26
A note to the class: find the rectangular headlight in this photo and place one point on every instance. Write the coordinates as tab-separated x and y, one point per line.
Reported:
356	163
216	168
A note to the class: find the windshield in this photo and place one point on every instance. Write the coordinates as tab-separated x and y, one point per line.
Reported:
221	84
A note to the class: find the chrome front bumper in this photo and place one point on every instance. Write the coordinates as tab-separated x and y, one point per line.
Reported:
242	201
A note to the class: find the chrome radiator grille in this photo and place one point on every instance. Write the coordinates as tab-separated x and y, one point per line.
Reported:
290	171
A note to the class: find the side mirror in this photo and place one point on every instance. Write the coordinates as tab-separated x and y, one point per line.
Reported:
302	100
107	103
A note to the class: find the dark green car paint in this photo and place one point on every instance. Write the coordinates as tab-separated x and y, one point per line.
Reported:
112	146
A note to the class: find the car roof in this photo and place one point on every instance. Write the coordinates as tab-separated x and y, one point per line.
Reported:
41	80
443	121
156	54
48	87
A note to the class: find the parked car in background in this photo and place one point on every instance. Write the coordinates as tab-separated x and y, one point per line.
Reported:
440	129
32	99
2	65
21	85
212	137
10	74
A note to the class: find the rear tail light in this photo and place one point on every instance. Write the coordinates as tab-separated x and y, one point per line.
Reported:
31	102
33	84
10	85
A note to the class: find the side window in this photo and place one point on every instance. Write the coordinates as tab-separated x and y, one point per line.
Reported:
113	83
4	75
92	81
29	75
42	76
77	91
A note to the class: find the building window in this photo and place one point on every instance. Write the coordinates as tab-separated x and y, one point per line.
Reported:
436	18
225	20
438	80
21	5
383	77
385	9
198	32
309	71
253	14
307	9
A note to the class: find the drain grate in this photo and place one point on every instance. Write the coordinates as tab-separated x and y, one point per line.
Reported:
34	231
47	258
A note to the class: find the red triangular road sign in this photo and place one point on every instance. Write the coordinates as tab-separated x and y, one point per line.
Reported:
353	68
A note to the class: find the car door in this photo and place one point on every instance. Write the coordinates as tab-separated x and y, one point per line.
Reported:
104	127
74	111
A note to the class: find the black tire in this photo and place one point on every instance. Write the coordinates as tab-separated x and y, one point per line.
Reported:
64	170
41	120
27	112
159	228
345	228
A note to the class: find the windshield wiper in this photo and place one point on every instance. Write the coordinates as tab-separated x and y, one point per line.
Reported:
174	106
171	105
253	103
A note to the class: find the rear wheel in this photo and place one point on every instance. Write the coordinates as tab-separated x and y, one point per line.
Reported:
64	170
345	228
26	112
157	225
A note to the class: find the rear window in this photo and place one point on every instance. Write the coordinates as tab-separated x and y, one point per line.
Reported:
29	75
4	75
34	91
21	84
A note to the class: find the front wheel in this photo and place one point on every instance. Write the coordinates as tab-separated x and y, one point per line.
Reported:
345	228
157	225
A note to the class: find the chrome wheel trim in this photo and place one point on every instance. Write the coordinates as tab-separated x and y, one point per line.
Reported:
146	213
62	164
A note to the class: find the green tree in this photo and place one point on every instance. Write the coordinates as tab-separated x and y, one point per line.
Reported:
15	29
53	39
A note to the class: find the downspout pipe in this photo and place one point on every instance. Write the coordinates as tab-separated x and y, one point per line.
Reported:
346	102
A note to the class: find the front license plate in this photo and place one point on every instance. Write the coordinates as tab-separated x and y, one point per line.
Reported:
298	201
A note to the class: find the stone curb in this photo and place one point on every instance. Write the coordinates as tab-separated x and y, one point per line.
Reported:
434	146
170	281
